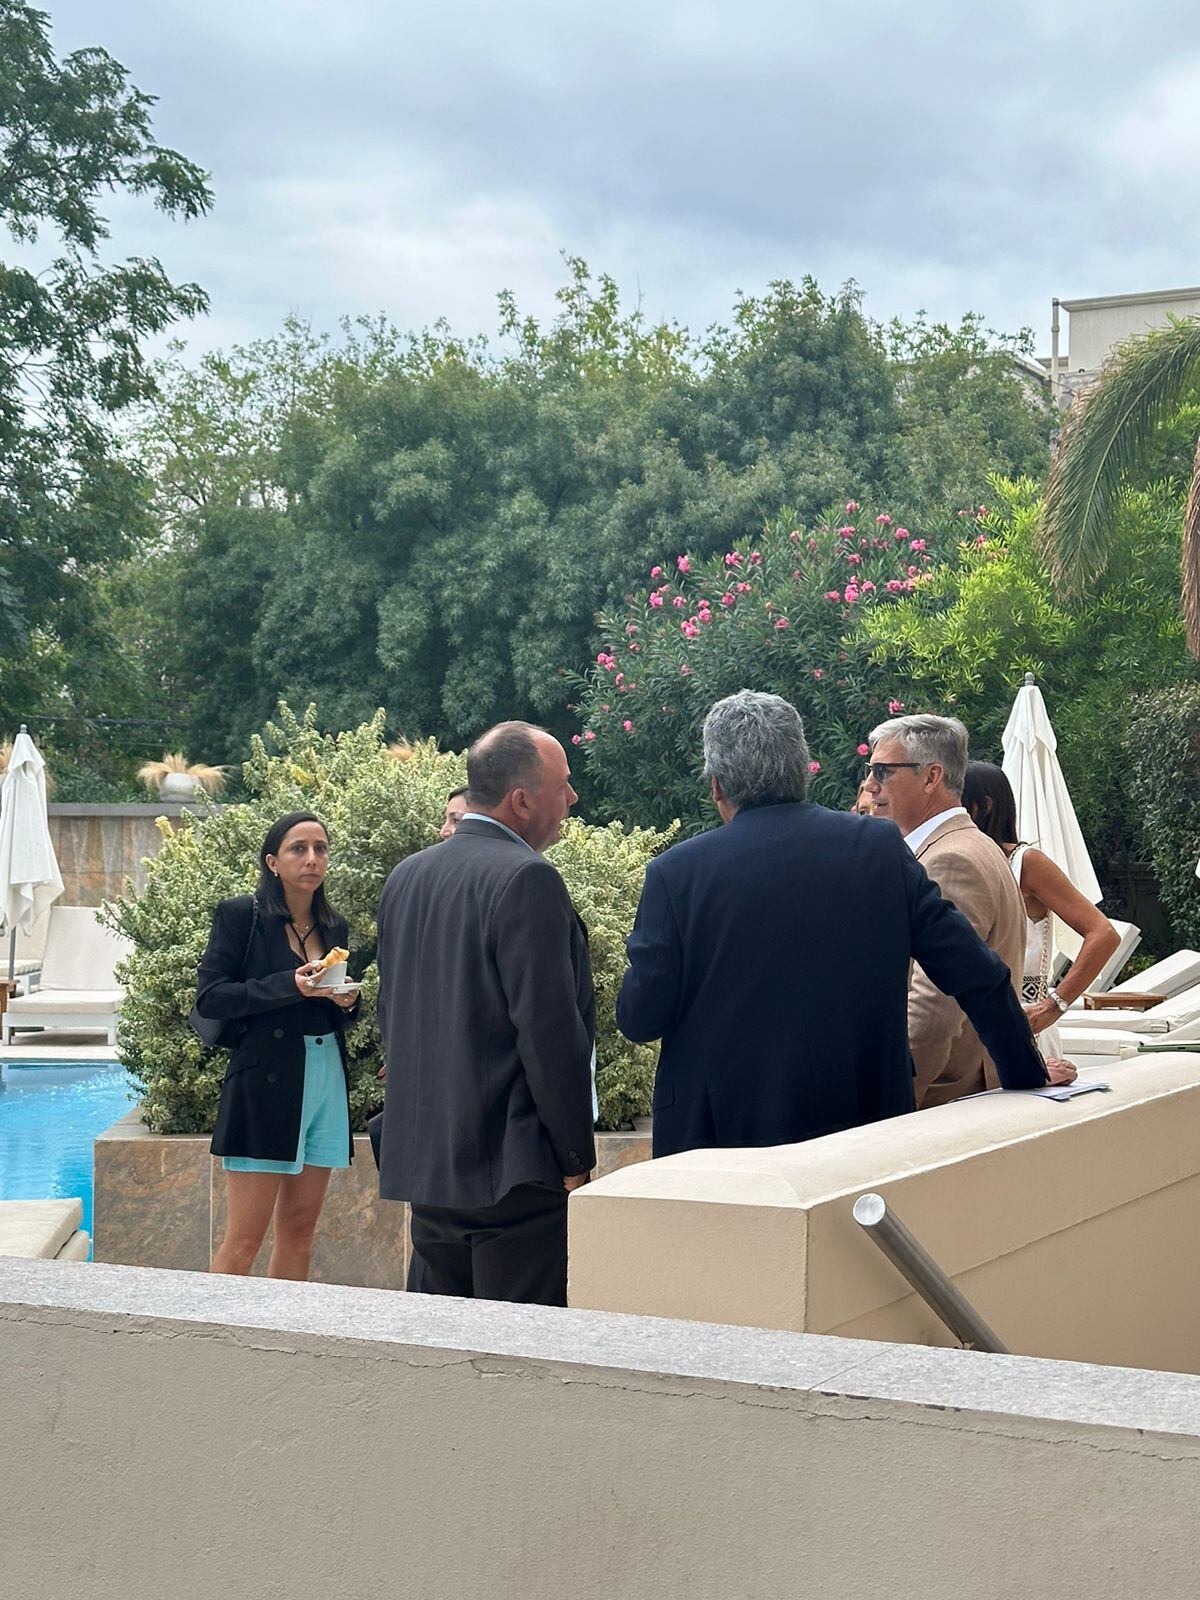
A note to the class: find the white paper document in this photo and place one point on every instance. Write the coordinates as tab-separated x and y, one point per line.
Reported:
1066	1091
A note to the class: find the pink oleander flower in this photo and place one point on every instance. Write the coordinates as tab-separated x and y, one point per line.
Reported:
575	739
812	545
797	574
917	544
883	520
683	563
589	735
635	647
742	588
851	507
982	512
782	622
851	595
733	559
606	708
847	533
679	602
631	629
867	586
756	558
895	707
818	673
833	594
794	536
656	572
863	750
980	540
685	669
814	767
620	678
901	533
728	599
913	571
894	586
627	725
854	559
655	600
688	629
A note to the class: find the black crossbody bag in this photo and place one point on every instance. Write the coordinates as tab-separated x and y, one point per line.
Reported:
211	1030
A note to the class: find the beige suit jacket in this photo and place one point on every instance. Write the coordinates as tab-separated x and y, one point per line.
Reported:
973	871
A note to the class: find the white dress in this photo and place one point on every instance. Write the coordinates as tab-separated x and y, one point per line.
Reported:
1039	954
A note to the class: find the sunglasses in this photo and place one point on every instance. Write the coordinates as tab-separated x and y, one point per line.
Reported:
881	771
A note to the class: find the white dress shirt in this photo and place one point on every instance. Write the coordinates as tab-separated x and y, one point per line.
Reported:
918	836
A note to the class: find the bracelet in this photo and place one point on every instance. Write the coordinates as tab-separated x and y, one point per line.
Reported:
1053	994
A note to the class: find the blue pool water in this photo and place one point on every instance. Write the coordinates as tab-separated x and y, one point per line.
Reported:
48	1119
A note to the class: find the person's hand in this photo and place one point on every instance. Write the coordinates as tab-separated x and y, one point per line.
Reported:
306	977
1060	1071
346	1001
1042	1015
575	1181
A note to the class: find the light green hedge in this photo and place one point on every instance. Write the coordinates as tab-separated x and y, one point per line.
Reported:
379	809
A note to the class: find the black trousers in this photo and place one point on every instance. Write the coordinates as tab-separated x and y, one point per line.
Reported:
514	1250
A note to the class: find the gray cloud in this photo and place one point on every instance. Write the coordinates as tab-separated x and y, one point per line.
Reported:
415	160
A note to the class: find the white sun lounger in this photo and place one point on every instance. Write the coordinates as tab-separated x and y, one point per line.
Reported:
43	1230
78	987
1178	1016
1168	977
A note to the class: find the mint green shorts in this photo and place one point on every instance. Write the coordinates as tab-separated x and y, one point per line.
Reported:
324	1115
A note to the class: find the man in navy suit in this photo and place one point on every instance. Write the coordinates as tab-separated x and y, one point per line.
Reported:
771	956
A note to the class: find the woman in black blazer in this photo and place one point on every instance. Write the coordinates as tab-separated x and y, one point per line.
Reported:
284	1119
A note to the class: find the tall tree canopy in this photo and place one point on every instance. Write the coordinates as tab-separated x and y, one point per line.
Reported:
73	324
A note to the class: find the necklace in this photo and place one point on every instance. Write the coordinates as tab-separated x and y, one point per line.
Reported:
301	937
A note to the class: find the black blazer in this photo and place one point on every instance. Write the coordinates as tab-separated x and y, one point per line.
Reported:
771	957
263	1093
487	1014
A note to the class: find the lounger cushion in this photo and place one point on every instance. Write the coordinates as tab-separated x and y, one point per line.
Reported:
66	1002
38	1229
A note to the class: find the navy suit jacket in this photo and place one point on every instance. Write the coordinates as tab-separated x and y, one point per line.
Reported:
771	957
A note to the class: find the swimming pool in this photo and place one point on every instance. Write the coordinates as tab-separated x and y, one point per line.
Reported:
49	1117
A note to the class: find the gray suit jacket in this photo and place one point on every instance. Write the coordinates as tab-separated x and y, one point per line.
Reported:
487	1014
972	871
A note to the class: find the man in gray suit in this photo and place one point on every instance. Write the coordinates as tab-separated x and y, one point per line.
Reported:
487	1014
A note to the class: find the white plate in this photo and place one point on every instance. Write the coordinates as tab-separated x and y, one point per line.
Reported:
337	988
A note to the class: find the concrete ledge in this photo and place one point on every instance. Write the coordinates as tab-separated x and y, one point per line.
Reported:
1063	1223
338	1437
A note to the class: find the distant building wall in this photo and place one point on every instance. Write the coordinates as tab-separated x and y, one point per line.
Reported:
99	846
1098	325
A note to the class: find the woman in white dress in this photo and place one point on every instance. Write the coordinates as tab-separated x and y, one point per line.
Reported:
1047	893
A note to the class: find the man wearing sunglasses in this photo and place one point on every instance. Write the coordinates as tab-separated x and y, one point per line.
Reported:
915	776
771	956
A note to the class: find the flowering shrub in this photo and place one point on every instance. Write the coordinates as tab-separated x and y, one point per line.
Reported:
380	806
777	613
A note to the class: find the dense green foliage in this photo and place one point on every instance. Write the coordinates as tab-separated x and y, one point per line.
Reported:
1162	757
72	504
379	805
778	613
431	525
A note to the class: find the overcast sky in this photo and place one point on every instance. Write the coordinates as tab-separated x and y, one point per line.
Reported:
371	156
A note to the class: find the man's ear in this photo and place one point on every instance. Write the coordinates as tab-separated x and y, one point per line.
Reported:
715	790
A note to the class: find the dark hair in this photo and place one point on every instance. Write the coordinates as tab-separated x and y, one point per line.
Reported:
504	758
987	795
456	794
270	890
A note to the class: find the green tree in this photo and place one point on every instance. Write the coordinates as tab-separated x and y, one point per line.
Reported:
71	504
1105	440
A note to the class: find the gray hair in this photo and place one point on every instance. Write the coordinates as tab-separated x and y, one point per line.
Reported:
504	758
754	746
926	738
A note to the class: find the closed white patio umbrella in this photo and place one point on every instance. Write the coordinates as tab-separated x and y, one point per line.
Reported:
1045	816
29	875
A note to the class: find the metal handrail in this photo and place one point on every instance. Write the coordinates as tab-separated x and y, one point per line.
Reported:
913	1261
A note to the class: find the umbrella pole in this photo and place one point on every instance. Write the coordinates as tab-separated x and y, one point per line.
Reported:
12	952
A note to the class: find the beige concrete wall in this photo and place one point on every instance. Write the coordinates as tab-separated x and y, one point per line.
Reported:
1070	1227
1095	331
169	1433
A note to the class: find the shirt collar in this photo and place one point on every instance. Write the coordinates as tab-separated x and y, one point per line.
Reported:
918	836
478	816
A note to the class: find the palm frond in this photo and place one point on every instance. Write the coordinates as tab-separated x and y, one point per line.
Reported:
1105	432
1191	560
